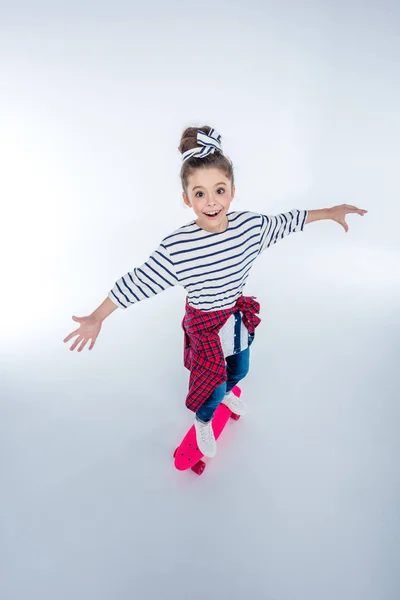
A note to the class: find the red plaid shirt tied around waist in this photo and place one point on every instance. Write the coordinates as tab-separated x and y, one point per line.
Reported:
203	354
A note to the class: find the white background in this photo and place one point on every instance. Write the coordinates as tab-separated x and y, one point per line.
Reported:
301	500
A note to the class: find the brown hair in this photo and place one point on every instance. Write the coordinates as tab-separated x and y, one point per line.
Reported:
214	160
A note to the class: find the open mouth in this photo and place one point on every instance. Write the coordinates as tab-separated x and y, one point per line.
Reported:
212	215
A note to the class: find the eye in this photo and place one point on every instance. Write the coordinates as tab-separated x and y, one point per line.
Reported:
223	190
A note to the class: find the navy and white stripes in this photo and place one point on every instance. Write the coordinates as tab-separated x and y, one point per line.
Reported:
212	267
208	144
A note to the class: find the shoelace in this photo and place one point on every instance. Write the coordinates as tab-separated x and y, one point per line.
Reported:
206	430
232	399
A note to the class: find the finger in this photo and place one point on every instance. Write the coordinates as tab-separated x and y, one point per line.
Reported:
92	344
356	209
85	341
74	345
71	335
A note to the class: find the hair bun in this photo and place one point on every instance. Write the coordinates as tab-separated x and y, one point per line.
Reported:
194	160
189	137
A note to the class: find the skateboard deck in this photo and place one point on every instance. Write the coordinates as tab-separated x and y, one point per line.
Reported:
187	455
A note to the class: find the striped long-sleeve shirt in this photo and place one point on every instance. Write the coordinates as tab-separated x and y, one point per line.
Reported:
212	267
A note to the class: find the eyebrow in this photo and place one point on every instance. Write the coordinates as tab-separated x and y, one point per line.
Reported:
199	186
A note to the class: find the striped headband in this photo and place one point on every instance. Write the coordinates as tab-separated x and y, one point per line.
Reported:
209	143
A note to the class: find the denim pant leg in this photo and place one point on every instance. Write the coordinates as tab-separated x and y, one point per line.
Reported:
237	366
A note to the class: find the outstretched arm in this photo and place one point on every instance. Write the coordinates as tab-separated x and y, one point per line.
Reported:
336	213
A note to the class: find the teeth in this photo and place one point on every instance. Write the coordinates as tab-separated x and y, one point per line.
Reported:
213	213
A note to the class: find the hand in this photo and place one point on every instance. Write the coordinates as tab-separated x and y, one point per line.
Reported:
338	213
89	329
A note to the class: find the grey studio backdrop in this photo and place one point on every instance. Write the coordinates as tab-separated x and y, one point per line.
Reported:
302	498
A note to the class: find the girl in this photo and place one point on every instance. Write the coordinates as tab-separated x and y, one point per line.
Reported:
211	258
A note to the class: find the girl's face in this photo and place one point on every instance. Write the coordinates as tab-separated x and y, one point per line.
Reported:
209	191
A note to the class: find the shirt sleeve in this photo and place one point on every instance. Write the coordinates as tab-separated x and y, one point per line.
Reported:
276	227
152	277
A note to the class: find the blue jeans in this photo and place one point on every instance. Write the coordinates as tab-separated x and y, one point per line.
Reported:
237	366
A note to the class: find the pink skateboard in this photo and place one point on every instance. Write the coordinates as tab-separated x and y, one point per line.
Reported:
187	455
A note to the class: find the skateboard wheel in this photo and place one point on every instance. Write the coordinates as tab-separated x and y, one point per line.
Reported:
199	467
235	417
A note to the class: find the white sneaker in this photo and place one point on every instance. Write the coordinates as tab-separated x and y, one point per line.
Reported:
235	404
205	438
